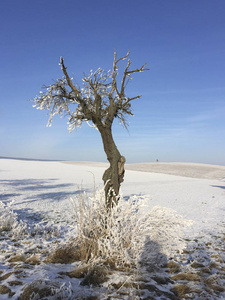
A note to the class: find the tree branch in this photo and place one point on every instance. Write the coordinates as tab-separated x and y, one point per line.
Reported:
88	114
136	97
73	88
141	69
124	78
122	58
97	97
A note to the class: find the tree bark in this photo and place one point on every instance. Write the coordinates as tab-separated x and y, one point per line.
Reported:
114	175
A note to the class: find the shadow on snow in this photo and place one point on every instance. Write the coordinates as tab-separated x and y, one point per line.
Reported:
219	186
34	184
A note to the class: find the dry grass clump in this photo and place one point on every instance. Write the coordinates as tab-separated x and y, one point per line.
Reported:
196	265
45	289
173	267
79	272
186	276
9	222
213	284
15	282
92	275
5	290
112	264
16	258
103	239
5	276
95	276
181	290
204	270
35	290
103	236
65	255
214	265
33	260
218	258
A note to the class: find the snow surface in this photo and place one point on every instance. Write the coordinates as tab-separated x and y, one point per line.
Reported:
176	208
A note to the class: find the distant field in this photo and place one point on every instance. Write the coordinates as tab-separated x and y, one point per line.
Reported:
179	169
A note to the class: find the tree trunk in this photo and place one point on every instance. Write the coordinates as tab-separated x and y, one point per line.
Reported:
113	176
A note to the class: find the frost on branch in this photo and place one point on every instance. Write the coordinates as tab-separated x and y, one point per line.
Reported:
57	100
98	101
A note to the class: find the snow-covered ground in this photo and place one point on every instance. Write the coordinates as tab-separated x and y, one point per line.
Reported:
184	216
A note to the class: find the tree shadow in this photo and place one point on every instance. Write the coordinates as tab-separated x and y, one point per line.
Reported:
126	198
151	258
38	185
33	217
7	197
154	272
219	186
34	184
34	198
54	196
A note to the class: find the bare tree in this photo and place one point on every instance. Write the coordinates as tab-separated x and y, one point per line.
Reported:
99	101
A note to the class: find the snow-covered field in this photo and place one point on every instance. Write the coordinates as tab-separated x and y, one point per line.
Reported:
181	245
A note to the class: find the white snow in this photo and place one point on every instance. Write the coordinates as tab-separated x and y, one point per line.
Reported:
175	208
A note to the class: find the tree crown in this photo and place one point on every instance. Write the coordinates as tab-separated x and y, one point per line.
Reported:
100	100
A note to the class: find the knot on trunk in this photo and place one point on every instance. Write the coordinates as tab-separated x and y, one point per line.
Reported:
112	178
121	169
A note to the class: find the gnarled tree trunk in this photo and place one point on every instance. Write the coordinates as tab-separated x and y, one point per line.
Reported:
114	175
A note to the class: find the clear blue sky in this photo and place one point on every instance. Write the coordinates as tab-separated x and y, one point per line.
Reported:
181	115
